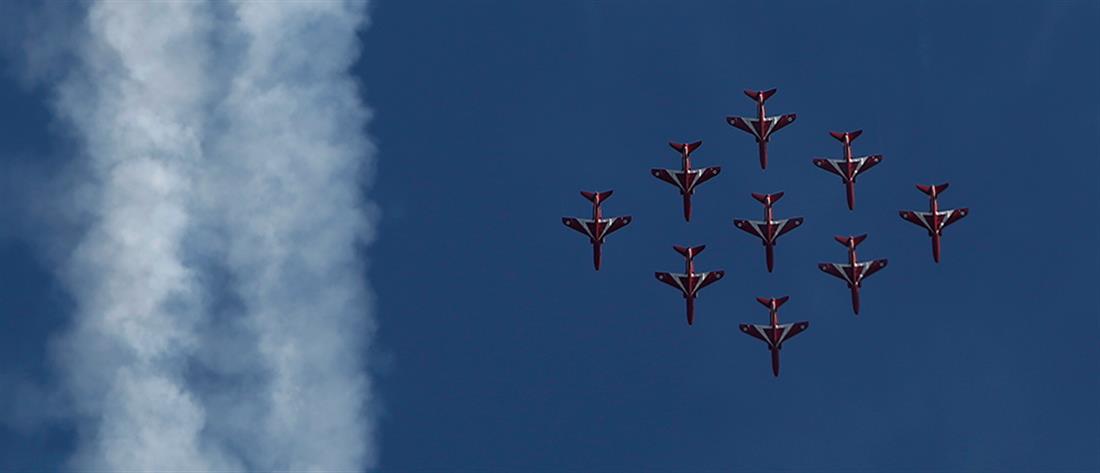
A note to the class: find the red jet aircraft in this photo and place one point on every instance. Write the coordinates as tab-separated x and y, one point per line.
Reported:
768	230
687	178
598	227
690	282
848	167
762	126
935	219
855	271
775	333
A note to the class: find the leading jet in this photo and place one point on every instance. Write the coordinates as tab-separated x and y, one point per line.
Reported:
598	227
935	220
855	271
690	282
686	178
762	126
774	334
768	230
848	167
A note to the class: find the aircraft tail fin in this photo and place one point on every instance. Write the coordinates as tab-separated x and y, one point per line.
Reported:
597	197
854	240
767	199
766	302
847	136
933	190
685	148
689	252
754	94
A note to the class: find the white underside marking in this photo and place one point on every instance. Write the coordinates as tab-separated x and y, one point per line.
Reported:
841	268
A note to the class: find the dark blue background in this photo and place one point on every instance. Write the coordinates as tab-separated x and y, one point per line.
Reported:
502	350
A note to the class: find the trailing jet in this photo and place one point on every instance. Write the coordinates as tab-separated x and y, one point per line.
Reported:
774	334
768	230
855	271
848	167
935	219
598	227
690	282
687	178
762	126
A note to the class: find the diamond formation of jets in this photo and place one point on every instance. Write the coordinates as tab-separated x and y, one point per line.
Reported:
768	230
848	167
762	126
855	271
598	227
935	220
686	178
774	333
690	282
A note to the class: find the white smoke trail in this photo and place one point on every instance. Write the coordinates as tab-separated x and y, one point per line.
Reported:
136	103
289	163
258	141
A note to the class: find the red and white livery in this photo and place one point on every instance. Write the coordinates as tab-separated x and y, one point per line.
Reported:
768	230
935	220
774	333
690	282
686	178
762	126
848	167
598	227
855	271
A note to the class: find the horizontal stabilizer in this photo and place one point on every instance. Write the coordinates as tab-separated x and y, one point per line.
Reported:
853	240
756	95
689	252
768	302
933	190
768	199
846	137
596	197
685	148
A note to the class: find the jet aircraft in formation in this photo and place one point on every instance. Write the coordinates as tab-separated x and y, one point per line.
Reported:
768	230
935	220
848	167
690	282
597	228
855	271
762	126
774	333
686	178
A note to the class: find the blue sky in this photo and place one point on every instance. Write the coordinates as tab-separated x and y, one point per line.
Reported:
499	349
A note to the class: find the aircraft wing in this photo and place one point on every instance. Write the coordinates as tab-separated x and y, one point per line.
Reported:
867	162
672	279
578	224
787	225
955	215
707	279
782	333
667	175
916	218
828	165
756	331
837	270
744	124
705	174
750	226
792	329
778	122
871	267
615	223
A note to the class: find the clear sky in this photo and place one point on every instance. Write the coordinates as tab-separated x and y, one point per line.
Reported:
498	348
